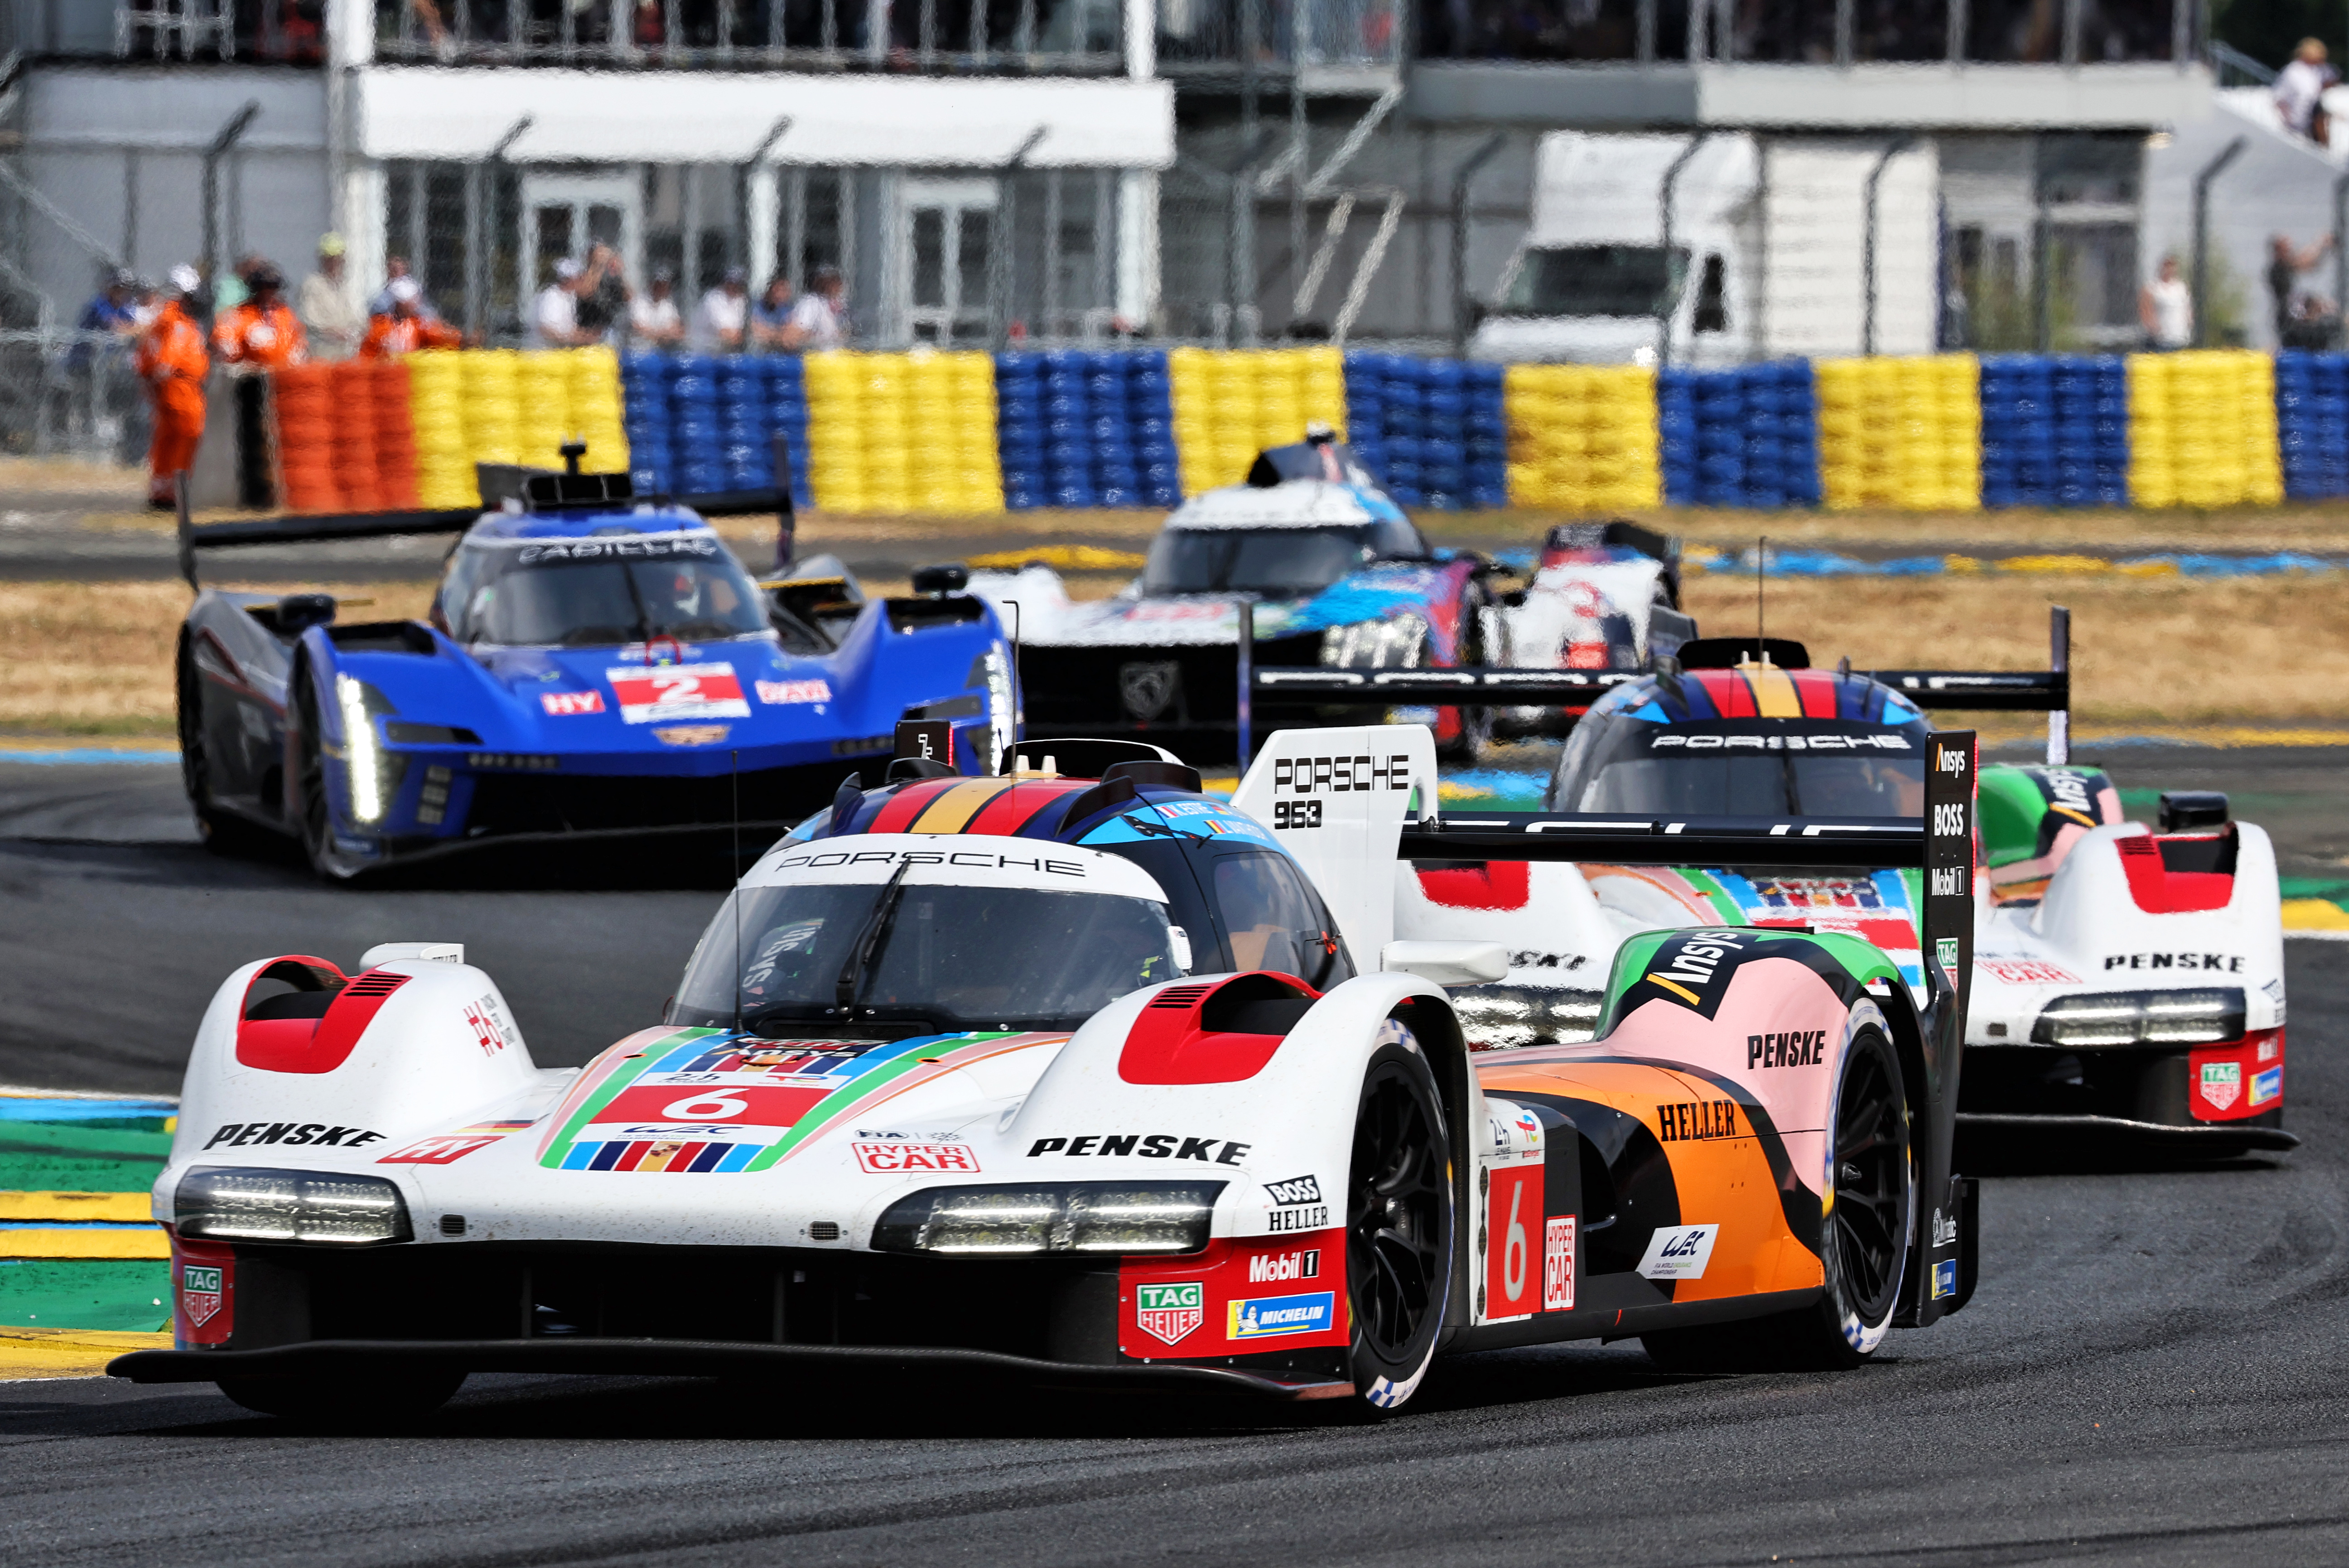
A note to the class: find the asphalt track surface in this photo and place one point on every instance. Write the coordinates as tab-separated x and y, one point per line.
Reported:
2153	1369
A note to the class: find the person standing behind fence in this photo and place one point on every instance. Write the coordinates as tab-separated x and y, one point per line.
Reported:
820	320
2164	307
653	318
405	328
172	362
721	322
325	304
2285	267
555	314
261	333
2300	91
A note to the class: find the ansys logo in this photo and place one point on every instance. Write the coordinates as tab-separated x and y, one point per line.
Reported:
1687	966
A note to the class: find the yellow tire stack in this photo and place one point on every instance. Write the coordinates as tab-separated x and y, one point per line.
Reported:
444	467
2203	430
1901	433
1583	437
1232	404
595	397
902	433
492	424
542	407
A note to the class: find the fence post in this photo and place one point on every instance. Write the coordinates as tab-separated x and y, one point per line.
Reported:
1665	201
477	233
1898	145
220	143
2209	171
1460	301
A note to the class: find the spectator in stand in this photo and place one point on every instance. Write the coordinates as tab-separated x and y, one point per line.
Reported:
719	326
113	308
394	269
172	362
325	304
603	294
555	313
405	328
2300	91
770	318
819	319
653	319
261	333
2164	307
2284	273
146	303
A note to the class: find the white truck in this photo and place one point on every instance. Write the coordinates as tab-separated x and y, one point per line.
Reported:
1761	251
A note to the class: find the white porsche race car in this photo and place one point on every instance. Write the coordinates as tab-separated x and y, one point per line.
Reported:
1085	1081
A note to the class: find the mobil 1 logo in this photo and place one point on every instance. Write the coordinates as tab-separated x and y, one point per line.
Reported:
1948	913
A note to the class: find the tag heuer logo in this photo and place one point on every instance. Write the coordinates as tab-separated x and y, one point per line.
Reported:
1146	689
1946	950
200	1294
1168	1312
2222	1082
1296	1190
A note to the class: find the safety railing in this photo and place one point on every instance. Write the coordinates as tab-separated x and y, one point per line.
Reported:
65	393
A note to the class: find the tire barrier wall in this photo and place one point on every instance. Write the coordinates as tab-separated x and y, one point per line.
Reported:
899	433
1077	428
1436	430
2312	423
948	433
699	423
1747	437
1583	437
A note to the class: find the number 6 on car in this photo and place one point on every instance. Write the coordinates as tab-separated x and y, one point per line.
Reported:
1137	1079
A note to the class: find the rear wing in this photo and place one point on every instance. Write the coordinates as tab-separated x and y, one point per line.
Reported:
1343	802
2045	691
536	490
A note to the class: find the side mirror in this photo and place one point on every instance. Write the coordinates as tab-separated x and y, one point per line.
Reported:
1182	948
951	578
297	613
2192	810
430	952
1446	963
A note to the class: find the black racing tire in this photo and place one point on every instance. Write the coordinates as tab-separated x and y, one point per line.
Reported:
222	831
347	1404
314	820
1400	1226
1863	1243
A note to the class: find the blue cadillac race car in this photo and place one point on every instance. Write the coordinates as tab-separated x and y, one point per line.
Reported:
593	665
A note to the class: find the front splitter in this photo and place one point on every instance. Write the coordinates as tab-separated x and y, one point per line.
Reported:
2201	1134
698	1359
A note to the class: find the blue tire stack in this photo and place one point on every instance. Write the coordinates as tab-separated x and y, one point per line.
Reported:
1676	429
1086	428
1434	431
2073	379
2313	423
1020	430
2018	443
700	423
1368	415
2109	417
645	409
1486	420
1782	434
1721	438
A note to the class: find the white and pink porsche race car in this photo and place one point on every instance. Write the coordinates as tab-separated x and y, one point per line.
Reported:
1078	1076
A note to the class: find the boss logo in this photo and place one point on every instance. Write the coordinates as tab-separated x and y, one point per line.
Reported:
1949	821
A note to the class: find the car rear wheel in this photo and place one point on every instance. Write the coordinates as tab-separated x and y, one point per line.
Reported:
222	831
1399	1226
347	1404
1863	1242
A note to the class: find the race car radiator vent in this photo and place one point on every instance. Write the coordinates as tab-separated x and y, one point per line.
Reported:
1181	996
375	983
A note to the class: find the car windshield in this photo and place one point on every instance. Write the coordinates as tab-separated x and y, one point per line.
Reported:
944	958
1788	768
1280	561
1597	280
585	592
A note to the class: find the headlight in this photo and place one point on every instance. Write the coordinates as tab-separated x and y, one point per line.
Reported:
374	772
1394	643
2142	1018
1068	1216
214	1204
1002	713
